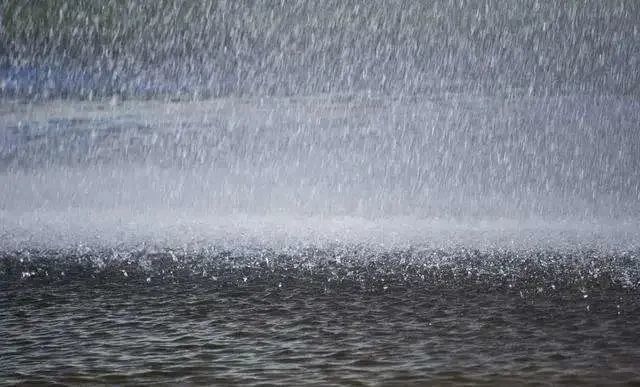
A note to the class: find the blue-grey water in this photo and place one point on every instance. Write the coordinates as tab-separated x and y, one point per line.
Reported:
330	193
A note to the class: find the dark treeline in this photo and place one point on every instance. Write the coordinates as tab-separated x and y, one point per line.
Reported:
220	47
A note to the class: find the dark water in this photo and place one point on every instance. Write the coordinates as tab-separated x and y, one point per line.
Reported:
494	318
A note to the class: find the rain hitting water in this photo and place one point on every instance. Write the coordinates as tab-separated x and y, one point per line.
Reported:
324	192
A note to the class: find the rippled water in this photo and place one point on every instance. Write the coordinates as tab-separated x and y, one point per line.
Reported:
292	332
320	317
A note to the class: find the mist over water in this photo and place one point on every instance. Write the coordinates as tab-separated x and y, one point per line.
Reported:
335	192
329	163
431	110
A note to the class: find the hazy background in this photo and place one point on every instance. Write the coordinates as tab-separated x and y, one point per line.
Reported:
86	48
